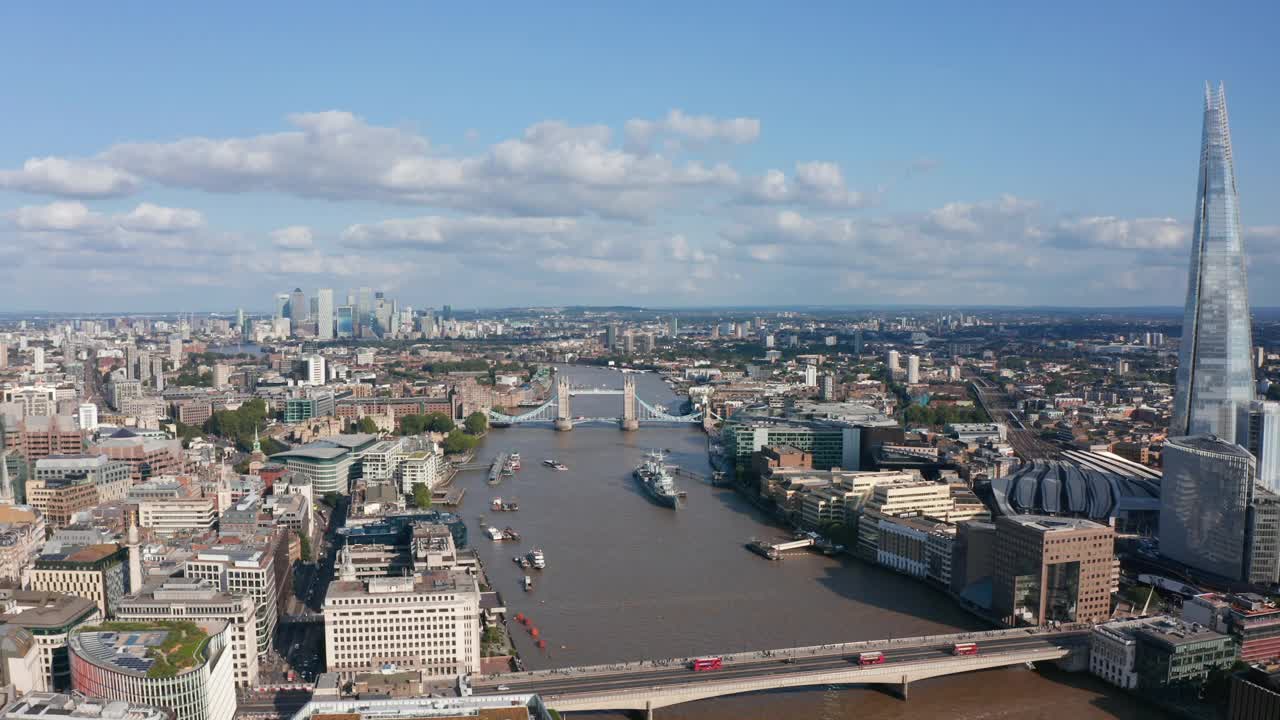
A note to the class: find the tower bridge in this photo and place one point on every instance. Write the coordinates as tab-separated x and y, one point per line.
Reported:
558	410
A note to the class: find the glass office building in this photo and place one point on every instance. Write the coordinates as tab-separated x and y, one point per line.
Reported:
1204	504
1215	369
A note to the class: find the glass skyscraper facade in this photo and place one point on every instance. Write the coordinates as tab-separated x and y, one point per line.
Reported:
1215	371
1204	504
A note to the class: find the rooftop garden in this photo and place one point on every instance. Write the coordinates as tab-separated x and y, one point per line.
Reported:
179	651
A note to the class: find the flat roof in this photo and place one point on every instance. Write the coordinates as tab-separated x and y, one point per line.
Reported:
1054	524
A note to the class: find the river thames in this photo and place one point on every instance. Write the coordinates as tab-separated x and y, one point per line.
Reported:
627	579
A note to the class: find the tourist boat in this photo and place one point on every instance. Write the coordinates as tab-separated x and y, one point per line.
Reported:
537	559
494	533
496	504
555	465
528	583
514	461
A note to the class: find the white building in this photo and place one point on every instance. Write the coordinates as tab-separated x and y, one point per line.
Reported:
117	665
892	361
88	415
167	516
242	572
428	623
200	601
221	375
315	370
810	375
37	360
913	369
324	314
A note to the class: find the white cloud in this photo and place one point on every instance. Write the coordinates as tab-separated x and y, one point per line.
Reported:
154	218
56	216
294	237
69	177
1120	233
813	184
464	234
699	129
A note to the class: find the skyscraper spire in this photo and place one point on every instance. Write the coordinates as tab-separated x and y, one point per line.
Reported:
1215	369
257	446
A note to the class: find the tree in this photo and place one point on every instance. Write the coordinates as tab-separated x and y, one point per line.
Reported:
421	496
367	425
331	499
439	422
239	424
458	442
304	543
476	423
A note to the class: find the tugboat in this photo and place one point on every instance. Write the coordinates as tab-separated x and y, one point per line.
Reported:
537	559
555	465
653	476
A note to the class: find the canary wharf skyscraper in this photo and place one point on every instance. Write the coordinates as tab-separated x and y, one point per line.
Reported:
1215	371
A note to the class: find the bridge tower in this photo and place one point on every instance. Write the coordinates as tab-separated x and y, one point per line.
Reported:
629	420
564	406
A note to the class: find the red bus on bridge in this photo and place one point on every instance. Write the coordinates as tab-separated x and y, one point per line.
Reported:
964	649
875	657
706	663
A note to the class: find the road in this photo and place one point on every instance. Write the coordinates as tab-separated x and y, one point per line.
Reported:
680	674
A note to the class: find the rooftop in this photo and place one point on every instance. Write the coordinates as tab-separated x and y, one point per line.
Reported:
78	553
57	705
1048	524
434	582
1209	444
49	610
150	649
510	706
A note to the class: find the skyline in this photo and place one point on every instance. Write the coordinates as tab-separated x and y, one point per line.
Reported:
973	182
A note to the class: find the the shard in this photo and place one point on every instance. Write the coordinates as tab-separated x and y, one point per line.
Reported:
1215	371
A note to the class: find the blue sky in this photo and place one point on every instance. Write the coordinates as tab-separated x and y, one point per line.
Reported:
159	157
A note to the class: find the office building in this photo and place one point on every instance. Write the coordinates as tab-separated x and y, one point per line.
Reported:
1207	499
298	308
673	326
329	464
37	360
1155	653
147	456
315	370
251	573
51	618
93	572
39	436
611	337
913	369
324	314
1255	693
119	661
111	478
1215	364
35	400
1050	569
1258	431
428	623
88	415
22	538
178	515
58	500
199	600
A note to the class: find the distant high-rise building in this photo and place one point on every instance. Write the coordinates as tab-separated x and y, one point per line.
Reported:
88	415
892	361
674	326
4	354
1258	431
345	324
1215	369
648	342
221	375
324	314
628	343
611	336
298	309
282	305
157	373
175	350
768	341
857	342
37	360
828	391
1259	356
913	369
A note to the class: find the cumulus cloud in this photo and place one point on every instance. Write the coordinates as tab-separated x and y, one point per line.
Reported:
437	233
294	237
69	177
1116	233
56	216
813	184
699	129
154	218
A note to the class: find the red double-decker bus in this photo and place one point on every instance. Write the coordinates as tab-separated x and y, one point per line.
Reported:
706	663
874	657
964	649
